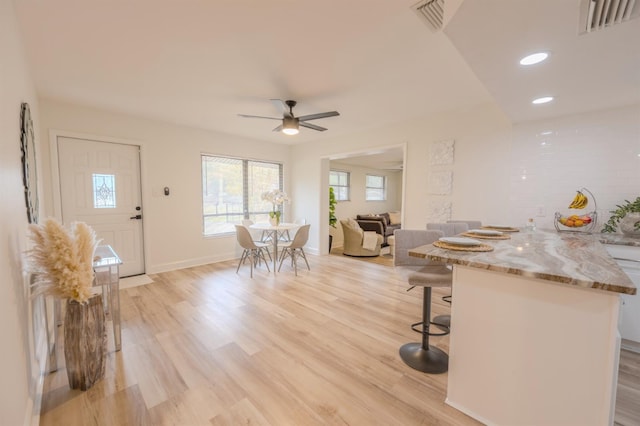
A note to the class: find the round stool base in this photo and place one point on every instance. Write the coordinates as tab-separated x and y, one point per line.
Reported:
433	360
443	322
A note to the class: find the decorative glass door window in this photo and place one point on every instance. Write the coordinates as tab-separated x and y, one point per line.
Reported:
104	191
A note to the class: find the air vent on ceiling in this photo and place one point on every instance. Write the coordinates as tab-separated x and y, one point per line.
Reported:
431	12
600	14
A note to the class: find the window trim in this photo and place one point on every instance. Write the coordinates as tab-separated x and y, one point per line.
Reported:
245	187
383	188
348	185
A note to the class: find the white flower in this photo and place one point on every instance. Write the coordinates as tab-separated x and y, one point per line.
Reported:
275	197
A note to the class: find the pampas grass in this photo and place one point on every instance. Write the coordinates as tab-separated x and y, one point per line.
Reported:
62	259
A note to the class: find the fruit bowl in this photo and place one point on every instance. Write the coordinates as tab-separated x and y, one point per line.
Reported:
576	222
583	222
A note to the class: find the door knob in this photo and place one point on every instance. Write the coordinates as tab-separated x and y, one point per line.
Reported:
138	216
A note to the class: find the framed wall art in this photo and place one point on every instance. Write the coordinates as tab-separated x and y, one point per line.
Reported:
29	170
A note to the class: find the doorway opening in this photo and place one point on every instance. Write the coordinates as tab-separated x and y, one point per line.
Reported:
371	182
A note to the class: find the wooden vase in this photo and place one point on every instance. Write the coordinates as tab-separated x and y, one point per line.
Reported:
85	342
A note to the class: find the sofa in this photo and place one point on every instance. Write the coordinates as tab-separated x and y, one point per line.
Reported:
382	223
354	240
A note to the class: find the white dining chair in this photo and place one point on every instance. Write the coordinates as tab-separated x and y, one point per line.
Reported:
257	235
295	248
297	221
253	251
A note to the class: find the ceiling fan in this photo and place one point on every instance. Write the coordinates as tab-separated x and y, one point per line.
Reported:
290	123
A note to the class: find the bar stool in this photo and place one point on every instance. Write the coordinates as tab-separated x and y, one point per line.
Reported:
422	356
449	229
472	224
427	274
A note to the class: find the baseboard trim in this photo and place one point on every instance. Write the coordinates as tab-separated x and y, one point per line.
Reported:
34	404
172	266
468	412
189	263
630	345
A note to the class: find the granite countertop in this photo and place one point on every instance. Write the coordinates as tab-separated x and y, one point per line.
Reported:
566	258
618	239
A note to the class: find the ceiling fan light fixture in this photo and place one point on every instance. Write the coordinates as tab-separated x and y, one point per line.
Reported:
290	126
290	123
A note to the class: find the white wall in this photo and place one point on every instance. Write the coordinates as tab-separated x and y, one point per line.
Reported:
357	203
170	157
480	170
553	158
598	150
20	373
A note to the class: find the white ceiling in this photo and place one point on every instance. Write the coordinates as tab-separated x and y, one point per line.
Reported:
391	159
200	63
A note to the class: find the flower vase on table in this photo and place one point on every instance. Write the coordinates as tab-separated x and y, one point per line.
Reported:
274	218
277	198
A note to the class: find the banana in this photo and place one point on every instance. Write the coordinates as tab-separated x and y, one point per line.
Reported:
580	201
584	201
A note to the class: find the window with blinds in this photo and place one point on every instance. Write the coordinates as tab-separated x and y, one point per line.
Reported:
232	191
376	188
339	180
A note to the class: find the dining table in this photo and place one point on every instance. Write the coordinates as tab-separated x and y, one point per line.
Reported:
275	233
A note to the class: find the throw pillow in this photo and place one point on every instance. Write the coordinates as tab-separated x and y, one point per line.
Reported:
351	223
385	217
394	218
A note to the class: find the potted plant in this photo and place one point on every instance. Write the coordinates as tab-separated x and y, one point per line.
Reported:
332	214
61	260
626	217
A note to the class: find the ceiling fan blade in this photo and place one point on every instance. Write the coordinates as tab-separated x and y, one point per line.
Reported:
282	107
311	126
318	115
278	129
258	116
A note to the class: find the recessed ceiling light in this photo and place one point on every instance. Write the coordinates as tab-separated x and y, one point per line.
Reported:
542	100
534	58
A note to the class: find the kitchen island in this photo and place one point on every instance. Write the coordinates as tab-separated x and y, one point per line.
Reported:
534	329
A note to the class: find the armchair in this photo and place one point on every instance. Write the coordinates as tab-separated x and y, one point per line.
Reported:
380	223
354	239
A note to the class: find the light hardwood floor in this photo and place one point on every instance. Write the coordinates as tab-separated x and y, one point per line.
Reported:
207	346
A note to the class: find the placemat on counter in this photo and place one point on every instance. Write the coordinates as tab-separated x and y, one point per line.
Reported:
486	237
481	247
500	228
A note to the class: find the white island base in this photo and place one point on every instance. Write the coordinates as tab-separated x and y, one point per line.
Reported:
526	351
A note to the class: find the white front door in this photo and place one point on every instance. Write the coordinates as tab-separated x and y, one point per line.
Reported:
100	185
